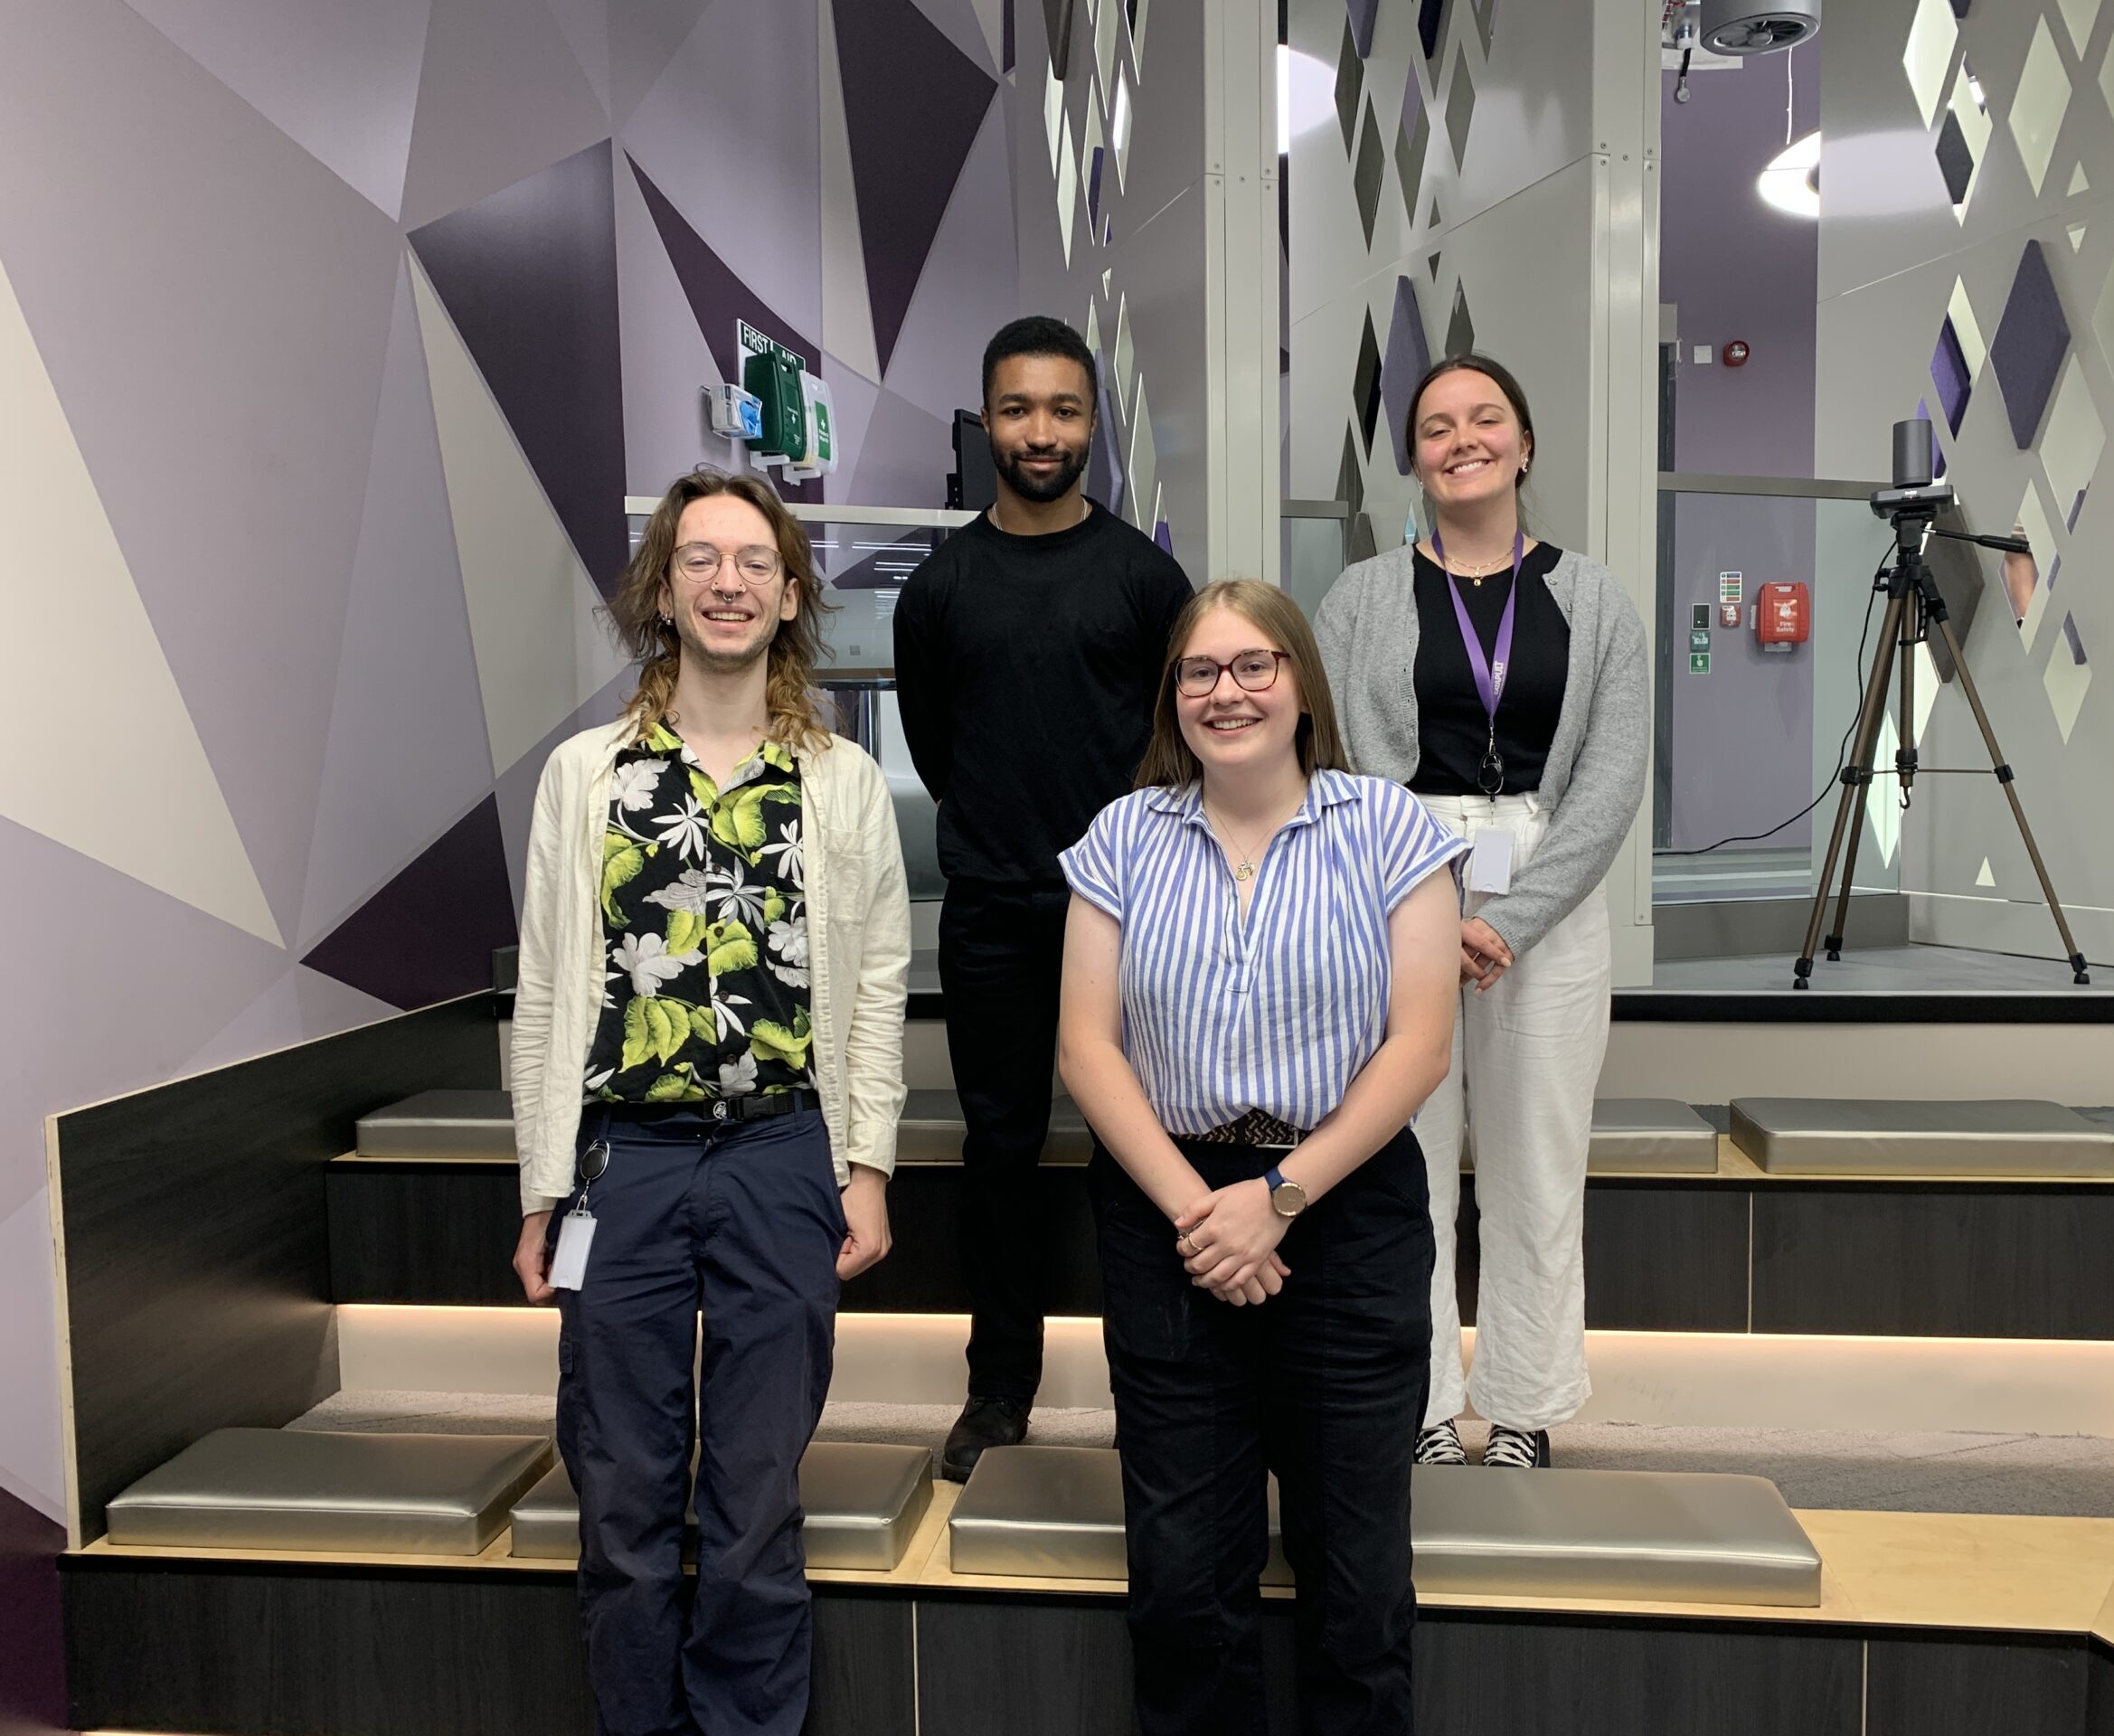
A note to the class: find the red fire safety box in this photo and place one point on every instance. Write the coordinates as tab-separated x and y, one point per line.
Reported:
1783	615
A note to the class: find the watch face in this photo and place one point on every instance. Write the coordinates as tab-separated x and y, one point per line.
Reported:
1288	1198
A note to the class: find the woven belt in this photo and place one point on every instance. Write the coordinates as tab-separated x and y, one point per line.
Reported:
1257	1127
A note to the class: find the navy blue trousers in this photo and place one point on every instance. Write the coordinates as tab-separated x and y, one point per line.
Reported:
741	1222
1323	1384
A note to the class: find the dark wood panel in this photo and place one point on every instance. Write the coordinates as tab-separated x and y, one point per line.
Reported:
1978	1687
2100	1702
923	1273
445	1233
197	1260
339	1654
1495	1676
33	1670
1665	1257
1027	1666
1942	1260
865	1667
243	1649
424	1233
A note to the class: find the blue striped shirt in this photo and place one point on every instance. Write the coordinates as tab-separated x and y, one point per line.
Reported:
1280	1012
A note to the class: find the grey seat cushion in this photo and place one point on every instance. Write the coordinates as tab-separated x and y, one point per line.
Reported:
1047	1513
1660	1135
379	1494
929	1130
442	1124
1651	1133
1658	1536
1815	1136
862	1504
1673	1537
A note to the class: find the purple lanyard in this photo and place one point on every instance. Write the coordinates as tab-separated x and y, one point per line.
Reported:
1489	672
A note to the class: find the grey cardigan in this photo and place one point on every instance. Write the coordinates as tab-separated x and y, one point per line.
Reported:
1595	774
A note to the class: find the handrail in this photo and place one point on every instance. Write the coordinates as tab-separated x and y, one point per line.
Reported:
1687	482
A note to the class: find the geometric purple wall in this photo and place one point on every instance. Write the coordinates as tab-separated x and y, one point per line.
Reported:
331	339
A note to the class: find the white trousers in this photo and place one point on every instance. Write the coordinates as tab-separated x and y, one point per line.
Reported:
1527	1057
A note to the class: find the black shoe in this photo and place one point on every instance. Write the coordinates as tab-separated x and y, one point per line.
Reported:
1441	1445
983	1423
1518	1449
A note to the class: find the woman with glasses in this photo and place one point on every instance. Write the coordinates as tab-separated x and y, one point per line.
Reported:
1503	680
1259	993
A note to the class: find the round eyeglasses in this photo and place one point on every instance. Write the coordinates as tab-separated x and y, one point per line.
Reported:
700	564
1254	672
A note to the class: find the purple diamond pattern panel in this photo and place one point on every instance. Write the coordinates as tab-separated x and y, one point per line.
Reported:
1937	451
1366	383
430	934
1350	83
529	276
1407	355
897	63
1364	12
2032	339
1949	374
1431	23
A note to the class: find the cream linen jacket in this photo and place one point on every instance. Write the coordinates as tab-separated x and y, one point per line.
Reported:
858	955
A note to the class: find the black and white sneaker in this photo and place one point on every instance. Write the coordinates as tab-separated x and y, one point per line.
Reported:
1440	1445
1517	1449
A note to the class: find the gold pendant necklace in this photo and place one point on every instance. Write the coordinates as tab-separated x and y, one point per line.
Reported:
1243	870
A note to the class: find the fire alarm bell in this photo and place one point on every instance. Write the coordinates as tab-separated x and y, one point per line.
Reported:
1783	615
1736	354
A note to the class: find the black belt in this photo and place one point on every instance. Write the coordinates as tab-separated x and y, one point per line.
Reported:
1257	1127
751	1107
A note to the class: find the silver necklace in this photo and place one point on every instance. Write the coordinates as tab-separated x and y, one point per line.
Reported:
1244	870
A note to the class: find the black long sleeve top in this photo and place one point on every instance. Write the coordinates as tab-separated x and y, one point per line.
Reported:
1026	668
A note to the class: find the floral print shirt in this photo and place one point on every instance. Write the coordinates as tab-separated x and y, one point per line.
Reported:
704	930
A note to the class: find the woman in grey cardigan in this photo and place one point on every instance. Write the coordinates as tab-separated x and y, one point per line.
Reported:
1504	679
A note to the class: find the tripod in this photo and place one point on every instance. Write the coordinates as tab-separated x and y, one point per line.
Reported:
1913	606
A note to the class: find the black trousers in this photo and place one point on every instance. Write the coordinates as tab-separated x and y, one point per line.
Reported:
1324	1385
1001	956
740	1222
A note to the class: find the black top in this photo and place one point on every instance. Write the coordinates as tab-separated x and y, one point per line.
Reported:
1452	731
1026	668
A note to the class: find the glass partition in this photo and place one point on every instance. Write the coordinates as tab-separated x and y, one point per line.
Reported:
1310	544
865	554
1748	733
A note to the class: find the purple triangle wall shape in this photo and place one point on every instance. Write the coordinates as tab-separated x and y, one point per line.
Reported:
897	64
718	298
529	276
429	935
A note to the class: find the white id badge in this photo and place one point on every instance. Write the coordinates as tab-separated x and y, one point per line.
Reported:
576	1235
1490	861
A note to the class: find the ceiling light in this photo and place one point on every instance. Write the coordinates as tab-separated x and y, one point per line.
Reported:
1791	183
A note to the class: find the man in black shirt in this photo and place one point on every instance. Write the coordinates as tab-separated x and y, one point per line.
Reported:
1028	653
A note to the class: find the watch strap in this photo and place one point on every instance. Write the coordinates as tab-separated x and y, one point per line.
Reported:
1272	1179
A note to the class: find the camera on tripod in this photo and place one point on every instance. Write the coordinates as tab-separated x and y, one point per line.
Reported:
1914	609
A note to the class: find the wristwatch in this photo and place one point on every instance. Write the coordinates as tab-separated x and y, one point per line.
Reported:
1287	1199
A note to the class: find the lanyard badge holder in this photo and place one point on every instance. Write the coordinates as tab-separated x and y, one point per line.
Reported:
576	1230
1490	867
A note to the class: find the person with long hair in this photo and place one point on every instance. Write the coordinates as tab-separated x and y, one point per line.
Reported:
707	1069
1258	995
1503	679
